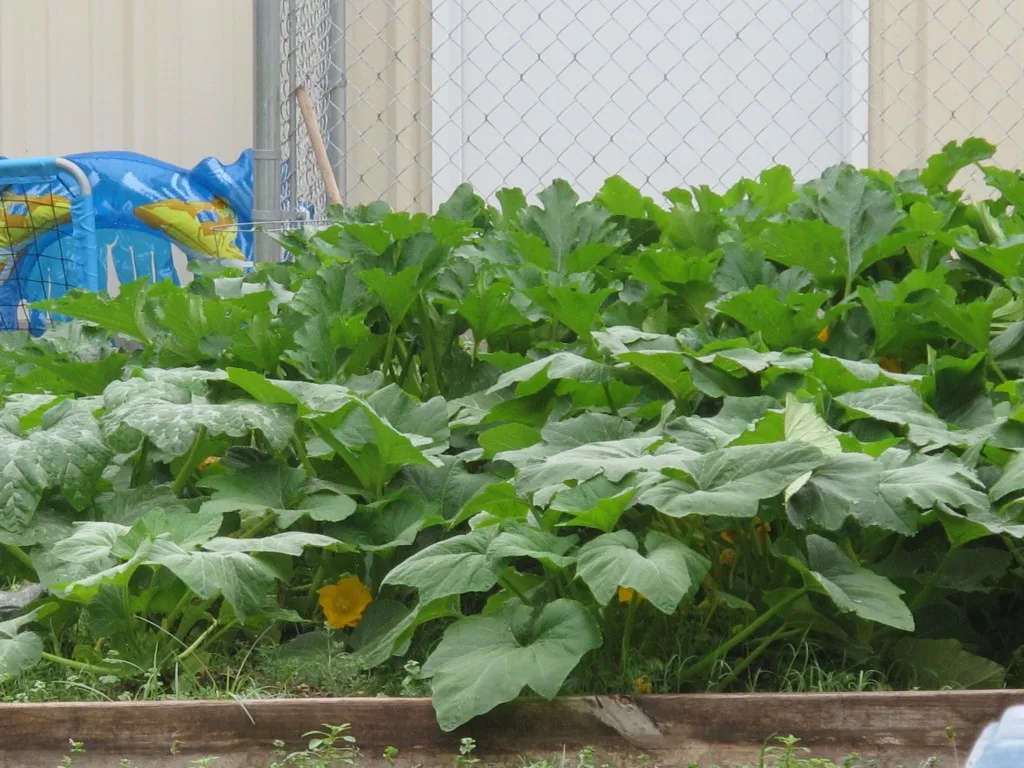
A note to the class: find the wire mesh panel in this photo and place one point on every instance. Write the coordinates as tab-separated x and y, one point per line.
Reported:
416	96
47	238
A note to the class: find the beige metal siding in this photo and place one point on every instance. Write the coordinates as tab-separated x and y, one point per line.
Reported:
167	78
944	70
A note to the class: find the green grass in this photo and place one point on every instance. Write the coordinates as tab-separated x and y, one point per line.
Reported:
275	672
334	745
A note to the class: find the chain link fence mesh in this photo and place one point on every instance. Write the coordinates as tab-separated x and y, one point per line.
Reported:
414	97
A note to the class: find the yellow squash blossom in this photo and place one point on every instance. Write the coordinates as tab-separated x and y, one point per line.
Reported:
643	685
762	532
823	336
344	602
626	595
207	462
891	364
727	557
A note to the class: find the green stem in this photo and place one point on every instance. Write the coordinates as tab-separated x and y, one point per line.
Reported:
220	633
610	399
712	658
933	580
192	459
176	611
258	527
140	464
428	343
92	669
507	584
184	627
389	351
318	580
19	554
627	632
737	669
197	642
300	451
998	370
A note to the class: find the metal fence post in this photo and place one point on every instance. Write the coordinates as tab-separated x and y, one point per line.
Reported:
266	123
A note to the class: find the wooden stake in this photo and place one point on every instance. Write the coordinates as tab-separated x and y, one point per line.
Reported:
317	141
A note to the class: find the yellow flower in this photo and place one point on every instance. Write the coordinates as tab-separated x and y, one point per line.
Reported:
626	595
643	685
891	364
762	532
823	336
727	558
729	535
207	462
344	602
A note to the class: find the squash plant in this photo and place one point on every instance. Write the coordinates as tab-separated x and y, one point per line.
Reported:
783	411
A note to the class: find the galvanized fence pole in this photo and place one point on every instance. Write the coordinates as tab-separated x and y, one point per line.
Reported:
266	123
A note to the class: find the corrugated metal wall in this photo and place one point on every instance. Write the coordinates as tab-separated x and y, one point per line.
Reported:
173	79
168	78
944	70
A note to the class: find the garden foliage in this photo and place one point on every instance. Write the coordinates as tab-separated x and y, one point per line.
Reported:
798	406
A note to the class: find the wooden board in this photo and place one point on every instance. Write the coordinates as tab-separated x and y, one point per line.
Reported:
673	731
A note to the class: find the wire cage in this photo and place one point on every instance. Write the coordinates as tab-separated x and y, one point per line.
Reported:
275	229
47	238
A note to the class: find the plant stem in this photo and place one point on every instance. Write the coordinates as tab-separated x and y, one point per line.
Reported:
192	459
197	642
610	399
184	626
389	351
737	669
176	611
81	666
300	451
258	527
997	369
19	554
627	632
933	580
507	584
140	464
428	343
710	659
318	580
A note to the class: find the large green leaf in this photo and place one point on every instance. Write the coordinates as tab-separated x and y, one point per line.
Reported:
243	580
667	572
169	407
898	405
287	543
833	491
852	588
940	663
19	649
732	481
485	661
65	451
862	209
534	376
451	567
522	540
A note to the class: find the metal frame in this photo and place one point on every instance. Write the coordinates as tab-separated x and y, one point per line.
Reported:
266	124
85	252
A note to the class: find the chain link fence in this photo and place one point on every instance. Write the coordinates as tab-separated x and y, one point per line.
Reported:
415	97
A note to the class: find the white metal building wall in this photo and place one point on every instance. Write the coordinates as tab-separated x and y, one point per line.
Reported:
167	78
